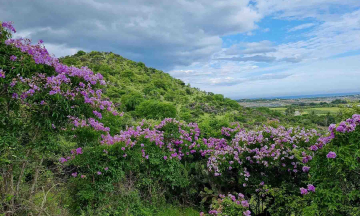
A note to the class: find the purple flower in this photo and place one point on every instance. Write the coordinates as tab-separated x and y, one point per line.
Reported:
165	157
83	176
213	212
79	151
303	191
97	114
311	187
306	169
9	26
340	129
247	213
98	172
313	148
2	73
13	83
331	155
332	127
106	168
74	174
62	160
13	58
245	203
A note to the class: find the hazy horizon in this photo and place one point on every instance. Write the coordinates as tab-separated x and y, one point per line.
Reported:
306	96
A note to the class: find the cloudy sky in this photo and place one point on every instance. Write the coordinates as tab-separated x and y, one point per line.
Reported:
239	48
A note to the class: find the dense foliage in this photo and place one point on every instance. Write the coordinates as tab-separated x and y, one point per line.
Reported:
66	148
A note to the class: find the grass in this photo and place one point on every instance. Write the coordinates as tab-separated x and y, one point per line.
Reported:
280	109
317	110
174	211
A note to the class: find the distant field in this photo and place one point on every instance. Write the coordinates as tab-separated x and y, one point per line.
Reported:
318	111
281	109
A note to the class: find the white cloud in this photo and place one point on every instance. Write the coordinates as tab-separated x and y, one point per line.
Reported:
250	48
320	77
229	81
302	26
60	50
322	41
160	33
301	9
326	40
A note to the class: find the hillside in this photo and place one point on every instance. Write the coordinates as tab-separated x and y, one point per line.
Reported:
126	77
131	83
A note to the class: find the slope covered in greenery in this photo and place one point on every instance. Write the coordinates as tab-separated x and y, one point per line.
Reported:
147	93
131	82
152	94
67	149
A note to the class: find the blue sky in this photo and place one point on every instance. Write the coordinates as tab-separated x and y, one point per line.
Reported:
239	48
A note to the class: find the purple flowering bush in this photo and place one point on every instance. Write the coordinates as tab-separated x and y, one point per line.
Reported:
230	205
39	97
335	171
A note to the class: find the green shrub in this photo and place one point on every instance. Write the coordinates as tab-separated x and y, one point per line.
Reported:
131	101
156	110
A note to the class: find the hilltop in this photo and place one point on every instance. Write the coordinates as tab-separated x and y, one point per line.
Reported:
130	78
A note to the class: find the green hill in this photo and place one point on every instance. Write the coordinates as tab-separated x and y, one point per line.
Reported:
131	83
143	91
148	93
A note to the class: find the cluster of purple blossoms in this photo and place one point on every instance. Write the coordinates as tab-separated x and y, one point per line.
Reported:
13	58
89	122
54	84
97	114
331	155
247	213
9	26
74	152
305	191
306	169
2	73
177	148
239	200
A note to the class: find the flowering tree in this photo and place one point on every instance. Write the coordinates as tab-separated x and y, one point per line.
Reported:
39	96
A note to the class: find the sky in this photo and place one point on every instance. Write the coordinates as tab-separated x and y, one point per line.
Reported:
239	48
